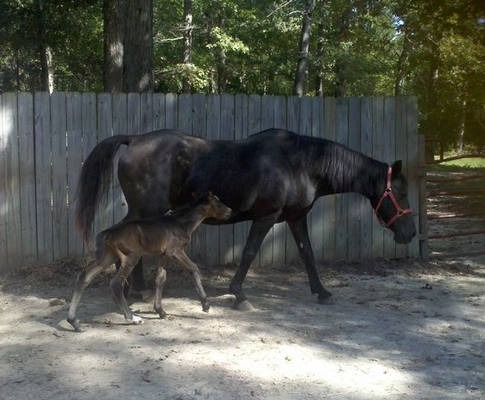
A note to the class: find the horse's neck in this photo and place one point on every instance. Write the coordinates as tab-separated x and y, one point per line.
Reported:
342	170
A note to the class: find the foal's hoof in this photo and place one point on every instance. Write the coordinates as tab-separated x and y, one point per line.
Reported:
326	298
75	324
136	320
243	306
162	314
206	306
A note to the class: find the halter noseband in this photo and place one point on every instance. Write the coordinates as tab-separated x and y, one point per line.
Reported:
388	193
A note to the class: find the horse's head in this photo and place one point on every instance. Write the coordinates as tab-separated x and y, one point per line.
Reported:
392	208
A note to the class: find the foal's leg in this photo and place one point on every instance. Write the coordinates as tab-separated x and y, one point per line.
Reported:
160	283
299	229
258	231
83	280
117	284
188	264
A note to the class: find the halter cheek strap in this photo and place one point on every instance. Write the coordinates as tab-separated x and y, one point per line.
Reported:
388	193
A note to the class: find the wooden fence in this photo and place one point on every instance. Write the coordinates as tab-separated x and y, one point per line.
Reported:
44	139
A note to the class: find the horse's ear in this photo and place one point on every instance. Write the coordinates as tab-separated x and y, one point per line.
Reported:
396	168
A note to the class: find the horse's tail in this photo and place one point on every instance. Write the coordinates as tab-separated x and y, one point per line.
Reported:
94	181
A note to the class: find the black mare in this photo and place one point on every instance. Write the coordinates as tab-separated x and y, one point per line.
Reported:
271	176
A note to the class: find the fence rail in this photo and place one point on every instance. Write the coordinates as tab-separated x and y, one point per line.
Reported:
44	139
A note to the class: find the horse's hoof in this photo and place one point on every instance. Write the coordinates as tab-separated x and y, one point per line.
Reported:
75	324
243	306
162	314
136	320
205	307
326	299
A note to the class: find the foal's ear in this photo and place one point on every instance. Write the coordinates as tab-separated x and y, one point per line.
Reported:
396	168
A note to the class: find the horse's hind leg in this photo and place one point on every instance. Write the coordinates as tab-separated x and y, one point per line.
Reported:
117	286
160	283
83	280
188	264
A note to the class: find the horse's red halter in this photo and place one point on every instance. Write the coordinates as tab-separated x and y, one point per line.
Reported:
388	193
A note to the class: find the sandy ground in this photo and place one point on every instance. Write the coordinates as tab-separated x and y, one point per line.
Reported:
396	331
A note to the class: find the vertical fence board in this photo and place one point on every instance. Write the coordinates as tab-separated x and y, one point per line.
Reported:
3	193
89	129
42	130
134	111
293	110
317	210
170	110
342	203
184	117
74	164
27	177
389	137
213	133
104	216
378	154
226	232
267	121
401	150
366	209
241	229
59	174
184	124
10	130
120	127
354	200
11	201
413	164
199	128
158	111
254	126
146	111
329	202
280	229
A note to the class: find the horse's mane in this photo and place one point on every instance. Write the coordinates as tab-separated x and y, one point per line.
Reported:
344	169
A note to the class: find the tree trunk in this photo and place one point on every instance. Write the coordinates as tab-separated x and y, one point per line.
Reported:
221	62
113	19
461	133
45	52
138	48
302	65
400	66
319	54
187	42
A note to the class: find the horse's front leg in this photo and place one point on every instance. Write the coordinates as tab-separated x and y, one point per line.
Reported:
258	231
299	229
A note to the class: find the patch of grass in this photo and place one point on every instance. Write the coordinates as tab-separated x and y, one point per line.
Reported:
466	163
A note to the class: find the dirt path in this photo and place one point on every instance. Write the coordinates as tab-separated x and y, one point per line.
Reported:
387	336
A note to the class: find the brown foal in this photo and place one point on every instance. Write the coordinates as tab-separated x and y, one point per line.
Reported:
165	236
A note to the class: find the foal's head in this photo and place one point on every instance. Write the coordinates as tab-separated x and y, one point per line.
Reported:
393	207
215	208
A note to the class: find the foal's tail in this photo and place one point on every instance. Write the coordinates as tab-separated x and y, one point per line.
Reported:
94	181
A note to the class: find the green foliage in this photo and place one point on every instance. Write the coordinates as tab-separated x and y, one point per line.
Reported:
429	48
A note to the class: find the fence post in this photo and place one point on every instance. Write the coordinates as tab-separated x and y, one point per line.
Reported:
423	216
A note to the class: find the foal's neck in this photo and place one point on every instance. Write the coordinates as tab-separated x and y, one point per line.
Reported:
342	170
192	218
